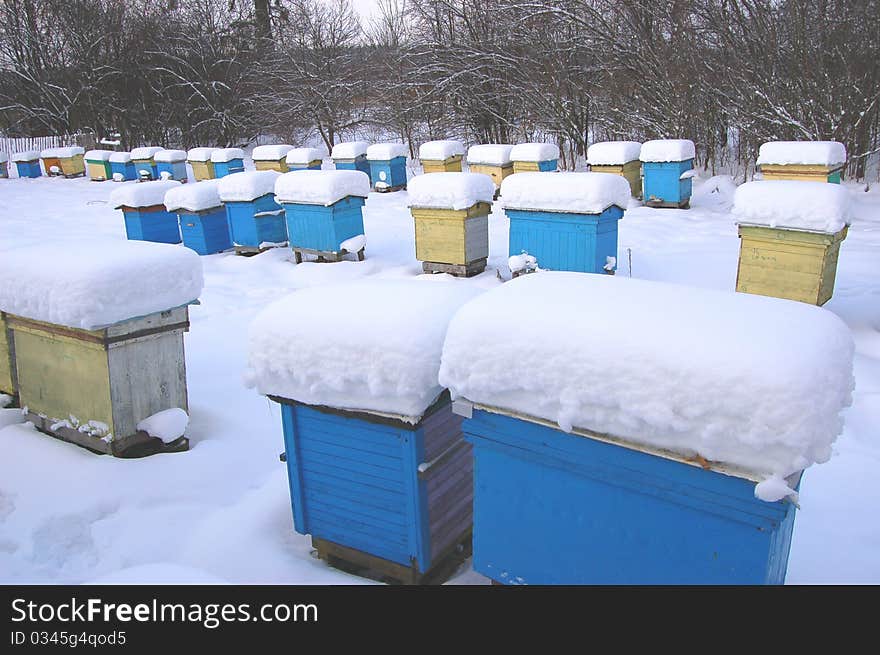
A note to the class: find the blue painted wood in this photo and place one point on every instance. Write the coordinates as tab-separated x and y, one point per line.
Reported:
148	165
548	166
324	228
558	508
205	232
563	241
359	164
176	169
4	171
28	168
157	226
224	168
388	171
253	222
354	479
127	170
662	181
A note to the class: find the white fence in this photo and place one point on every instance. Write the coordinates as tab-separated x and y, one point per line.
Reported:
20	144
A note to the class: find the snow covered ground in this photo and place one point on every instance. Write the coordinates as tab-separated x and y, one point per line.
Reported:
221	512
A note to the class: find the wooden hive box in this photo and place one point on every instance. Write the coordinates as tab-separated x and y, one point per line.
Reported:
497	173
98	165
663	186
322	228
453	237
631	171
804	172
785	263
205	231
52	166
122	171
73	166
7	359
546	166
378	492
388	174
202	170
28	168
146	168
279	165
223	168
153	223
116	376
256	222
449	165
176	170
552	507
359	163
314	165
4	168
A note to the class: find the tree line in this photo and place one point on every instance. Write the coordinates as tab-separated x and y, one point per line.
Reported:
728	74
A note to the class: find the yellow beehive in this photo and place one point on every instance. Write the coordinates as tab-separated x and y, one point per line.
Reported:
497	173
807	161
7	360
202	170
454	237
784	263
73	166
279	165
803	172
632	171
449	165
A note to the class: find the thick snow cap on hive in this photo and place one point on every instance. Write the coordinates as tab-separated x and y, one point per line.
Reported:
221	155
62	153
114	281
757	384
613	153
492	154
661	150
193	197
170	156
450	190
303	155
813	206
120	157
321	187
386	151
534	152
143	194
817	153
271	152
145	152
98	155
26	155
200	154
349	150
386	361
440	150
247	185
584	193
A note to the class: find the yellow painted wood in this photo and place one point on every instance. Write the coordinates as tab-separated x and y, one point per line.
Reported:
202	170
73	165
631	171
789	264
526	167
448	165
451	236
279	165
7	364
497	173
803	172
97	172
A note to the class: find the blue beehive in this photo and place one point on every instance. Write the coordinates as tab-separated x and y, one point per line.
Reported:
4	162
255	219
121	167
322	208
227	161
568	221
143	209
27	163
665	166
351	156
387	166
144	160
203	223
171	164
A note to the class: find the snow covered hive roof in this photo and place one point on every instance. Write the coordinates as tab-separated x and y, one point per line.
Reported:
170	156
350	150
814	206
820	153
321	187
493	154
221	155
199	154
62	153
450	190
98	155
193	197
662	150
534	152
386	361
385	151
585	193
247	185
440	150
143	194
752	382
613	153
271	152
145	152
26	155
303	155
120	157
114	281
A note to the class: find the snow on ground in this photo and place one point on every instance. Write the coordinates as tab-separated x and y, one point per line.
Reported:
221	512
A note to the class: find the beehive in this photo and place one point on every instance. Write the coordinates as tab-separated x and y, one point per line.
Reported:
226	161
199	160
387	166
618	158
27	163
351	156
492	160
121	167
143	209
171	165
271	157
535	157
256	221
144	162
667	166
301	159
98	165
204	226
808	161
441	156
